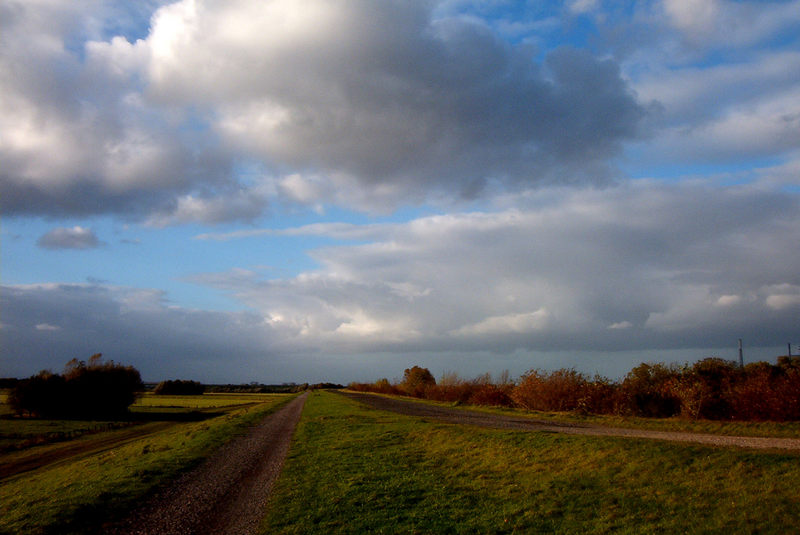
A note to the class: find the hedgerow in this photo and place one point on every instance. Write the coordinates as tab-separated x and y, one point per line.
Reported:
711	388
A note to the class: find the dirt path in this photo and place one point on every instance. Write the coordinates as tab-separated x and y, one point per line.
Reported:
227	494
482	419
40	456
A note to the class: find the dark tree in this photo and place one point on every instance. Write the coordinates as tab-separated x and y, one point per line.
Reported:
40	395
179	387
94	390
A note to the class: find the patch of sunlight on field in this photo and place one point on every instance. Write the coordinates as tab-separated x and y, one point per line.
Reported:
5	409
204	401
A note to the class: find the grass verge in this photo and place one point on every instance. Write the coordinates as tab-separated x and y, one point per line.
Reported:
354	470
76	496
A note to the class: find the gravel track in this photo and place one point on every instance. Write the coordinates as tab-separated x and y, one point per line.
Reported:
228	492
482	419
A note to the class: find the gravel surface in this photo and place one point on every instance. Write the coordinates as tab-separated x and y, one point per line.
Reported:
482	419
227	494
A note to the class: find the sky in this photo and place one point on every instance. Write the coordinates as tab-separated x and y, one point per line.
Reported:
281	191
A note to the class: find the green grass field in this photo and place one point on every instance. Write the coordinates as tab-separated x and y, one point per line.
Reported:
73	495
353	470
22	433
356	470
149	401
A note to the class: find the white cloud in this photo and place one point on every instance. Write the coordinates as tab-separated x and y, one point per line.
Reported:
238	205
692	91
729	300
583	6
77	134
728	113
694	16
783	296
509	323
621	325
732	23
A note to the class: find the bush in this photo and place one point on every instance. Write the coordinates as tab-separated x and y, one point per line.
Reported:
381	386
705	390
93	390
600	396
179	387
492	395
712	388
416	381
767	392
561	390
647	391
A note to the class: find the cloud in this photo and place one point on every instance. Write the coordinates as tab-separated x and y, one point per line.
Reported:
362	104
510	323
783	296
716	112
640	269
434	104
69	238
133	326
694	92
78	136
766	128
582	6
621	325
243	205
635	267
722	22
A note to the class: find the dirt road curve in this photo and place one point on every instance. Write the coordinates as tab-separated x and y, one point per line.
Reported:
460	416
228	492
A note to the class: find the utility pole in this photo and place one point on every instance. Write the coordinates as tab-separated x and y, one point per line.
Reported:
789	345
741	359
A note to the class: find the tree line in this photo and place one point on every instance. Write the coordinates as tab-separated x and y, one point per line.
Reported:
93	389
105	390
711	388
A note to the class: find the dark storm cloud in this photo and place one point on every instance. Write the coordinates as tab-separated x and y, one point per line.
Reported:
46	325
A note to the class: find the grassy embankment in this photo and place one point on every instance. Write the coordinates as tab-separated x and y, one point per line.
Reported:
353	470
73	495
